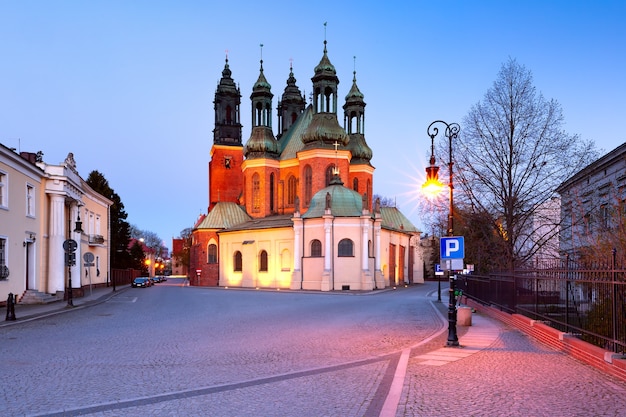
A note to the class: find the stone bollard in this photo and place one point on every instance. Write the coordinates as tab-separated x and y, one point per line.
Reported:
10	308
464	316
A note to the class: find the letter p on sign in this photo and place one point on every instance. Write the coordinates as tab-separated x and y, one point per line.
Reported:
452	247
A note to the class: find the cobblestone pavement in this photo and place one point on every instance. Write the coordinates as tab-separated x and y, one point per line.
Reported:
513	376
171	351
193	351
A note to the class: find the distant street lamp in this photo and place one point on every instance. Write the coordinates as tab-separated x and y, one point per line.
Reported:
431	187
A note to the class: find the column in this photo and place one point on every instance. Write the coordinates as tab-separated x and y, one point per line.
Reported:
327	243
56	254
297	243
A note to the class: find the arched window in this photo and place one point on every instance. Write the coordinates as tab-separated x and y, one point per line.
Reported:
212	253
346	248
316	248
256	193
237	261
229	116
355	184
329	174
291	190
263	261
308	185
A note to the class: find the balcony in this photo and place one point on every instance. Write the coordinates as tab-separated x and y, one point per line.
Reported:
96	240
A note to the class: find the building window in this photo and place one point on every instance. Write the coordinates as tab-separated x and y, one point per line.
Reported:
256	193
346	248
263	261
30	200
308	185
229	116
4	189
92	223
237	262
605	216
212	253
98	225
291	190
355	184
316	248
329	174
3	258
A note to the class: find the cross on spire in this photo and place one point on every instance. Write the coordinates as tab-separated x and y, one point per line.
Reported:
336	145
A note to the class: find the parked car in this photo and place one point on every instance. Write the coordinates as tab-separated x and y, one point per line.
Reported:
140	282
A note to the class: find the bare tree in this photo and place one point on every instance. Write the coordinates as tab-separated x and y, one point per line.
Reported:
384	201
183	255
150	239
510	157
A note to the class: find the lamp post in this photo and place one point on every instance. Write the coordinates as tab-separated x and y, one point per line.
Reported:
432	186
70	246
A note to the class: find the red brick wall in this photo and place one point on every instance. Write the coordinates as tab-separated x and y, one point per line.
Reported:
225	184
264	190
362	177
198	258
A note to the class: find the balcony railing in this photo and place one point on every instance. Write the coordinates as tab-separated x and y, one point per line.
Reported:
96	239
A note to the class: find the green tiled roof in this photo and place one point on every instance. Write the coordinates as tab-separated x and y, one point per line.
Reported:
224	215
270	222
393	219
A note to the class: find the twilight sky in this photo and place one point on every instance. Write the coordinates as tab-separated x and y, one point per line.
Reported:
128	86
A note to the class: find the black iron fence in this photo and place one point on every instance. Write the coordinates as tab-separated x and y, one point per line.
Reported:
588	301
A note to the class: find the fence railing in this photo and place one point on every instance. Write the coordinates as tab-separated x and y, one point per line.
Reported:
587	302
123	276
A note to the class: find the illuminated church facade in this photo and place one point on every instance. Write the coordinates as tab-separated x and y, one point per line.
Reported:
294	210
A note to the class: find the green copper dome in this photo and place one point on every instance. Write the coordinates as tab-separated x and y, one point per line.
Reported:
343	201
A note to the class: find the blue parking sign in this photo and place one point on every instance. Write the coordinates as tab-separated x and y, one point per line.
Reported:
452	247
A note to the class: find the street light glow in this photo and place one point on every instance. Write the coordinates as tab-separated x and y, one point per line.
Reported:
432	187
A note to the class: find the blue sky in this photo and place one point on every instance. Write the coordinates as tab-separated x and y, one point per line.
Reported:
140	77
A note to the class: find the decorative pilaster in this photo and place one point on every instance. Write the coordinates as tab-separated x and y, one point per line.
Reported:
296	276
364	244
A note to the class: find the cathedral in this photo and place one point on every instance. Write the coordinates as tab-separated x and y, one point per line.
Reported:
292	208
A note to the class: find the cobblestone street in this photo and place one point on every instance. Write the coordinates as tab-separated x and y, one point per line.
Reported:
174	350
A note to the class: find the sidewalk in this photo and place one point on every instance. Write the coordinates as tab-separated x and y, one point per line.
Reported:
27	312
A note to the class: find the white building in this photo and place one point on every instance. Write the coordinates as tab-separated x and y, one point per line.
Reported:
40	205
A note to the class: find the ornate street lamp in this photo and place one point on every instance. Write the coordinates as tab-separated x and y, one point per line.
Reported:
431	187
70	247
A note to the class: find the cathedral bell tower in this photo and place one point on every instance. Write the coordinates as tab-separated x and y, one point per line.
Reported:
260	169
361	170
225	177
290	106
